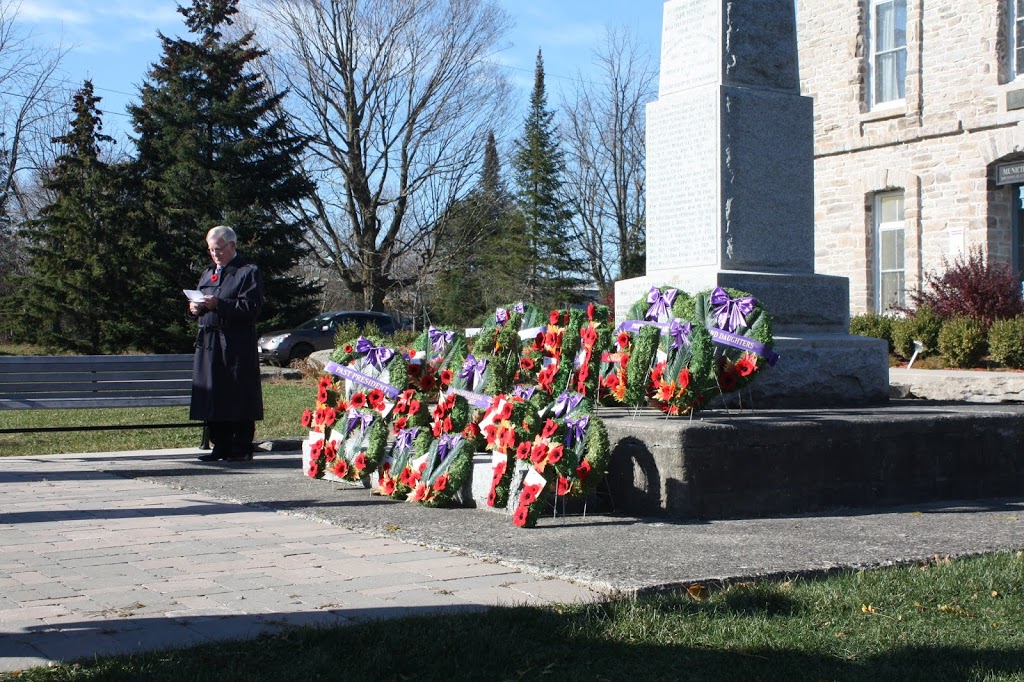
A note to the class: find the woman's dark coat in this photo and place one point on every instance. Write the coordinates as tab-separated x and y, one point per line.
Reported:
226	369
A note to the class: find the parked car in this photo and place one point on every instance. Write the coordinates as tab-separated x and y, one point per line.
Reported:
318	333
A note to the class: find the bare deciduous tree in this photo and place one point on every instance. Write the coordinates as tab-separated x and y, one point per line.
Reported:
32	107
605	158
397	98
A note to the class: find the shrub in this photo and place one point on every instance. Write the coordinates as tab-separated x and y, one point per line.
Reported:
873	325
972	287
921	325
1006	342
962	341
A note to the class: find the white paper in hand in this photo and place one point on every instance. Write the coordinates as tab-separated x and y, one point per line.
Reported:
194	295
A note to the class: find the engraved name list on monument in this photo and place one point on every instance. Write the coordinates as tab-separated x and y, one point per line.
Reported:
682	176
691	45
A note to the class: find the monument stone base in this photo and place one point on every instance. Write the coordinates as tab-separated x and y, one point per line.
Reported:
739	463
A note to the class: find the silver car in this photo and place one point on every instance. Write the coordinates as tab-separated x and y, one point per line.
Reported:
282	347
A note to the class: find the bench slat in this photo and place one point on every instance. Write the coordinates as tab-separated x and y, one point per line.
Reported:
72	378
88	363
64	403
140	387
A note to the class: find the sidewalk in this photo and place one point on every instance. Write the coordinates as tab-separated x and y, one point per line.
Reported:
125	552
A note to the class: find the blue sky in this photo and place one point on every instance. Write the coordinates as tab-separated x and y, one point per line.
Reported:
114	41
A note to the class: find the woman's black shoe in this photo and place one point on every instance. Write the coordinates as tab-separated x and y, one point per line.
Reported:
212	456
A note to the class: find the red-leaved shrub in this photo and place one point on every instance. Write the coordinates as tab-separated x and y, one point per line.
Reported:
973	287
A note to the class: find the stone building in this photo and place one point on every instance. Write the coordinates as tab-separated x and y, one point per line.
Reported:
918	137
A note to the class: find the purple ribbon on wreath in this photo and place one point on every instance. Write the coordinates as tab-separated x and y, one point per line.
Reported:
660	304
575	429
377	355
730	313
447	444
566	403
679	333
524	392
473	371
405	438
440	339
519	308
500	316
360	420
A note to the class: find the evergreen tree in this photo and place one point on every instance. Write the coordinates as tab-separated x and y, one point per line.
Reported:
482	256
84	254
546	216
214	149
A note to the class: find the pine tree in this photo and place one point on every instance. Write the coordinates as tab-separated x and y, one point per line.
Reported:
545	213
84	252
214	148
483	257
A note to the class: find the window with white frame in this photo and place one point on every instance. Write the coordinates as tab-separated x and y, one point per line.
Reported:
890	278
1016	37
888	39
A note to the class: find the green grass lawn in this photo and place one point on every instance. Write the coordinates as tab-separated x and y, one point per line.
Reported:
947	620
283	403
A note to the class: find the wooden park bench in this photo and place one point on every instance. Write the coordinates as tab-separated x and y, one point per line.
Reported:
65	382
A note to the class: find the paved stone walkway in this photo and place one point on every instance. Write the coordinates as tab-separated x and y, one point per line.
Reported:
93	564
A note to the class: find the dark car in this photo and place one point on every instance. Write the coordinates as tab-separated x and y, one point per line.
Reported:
318	334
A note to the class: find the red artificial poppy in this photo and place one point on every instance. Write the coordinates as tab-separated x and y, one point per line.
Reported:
421	468
318	416
622	340
539	453
340	468
507	439
438	411
314	469
554	317
556	453
388	486
583	470
414	407
589	336
330	416
590	310
449	402
524	449
584	373
623	360
728	380
665	391
358	400
499	471
376	396
550	426
331	451
684	379
521	516
490	433
563	486
214	277
538	341
611	381
746	365
437	428
419	493
414	370
506	411
428	382
315	449
492	498
359	462
406	477
321	394
400	424
471	431
526	364
307	418
348	348
446	376
441	483
656	373
529	494
325	381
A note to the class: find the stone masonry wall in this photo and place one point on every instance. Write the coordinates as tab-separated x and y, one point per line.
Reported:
939	146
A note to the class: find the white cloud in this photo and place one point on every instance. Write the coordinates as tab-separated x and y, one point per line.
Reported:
34	11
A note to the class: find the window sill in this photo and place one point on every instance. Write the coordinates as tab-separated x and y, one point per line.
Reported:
889	110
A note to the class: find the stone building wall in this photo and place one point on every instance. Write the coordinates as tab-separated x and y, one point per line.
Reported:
940	145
